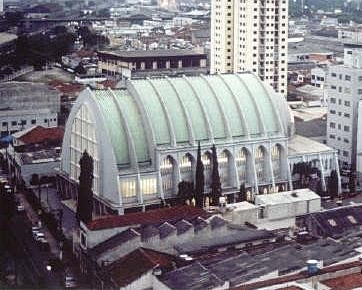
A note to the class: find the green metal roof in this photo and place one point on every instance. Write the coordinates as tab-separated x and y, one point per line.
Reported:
174	111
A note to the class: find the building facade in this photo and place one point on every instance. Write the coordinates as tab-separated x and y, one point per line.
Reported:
251	35
344	87
143	63
19	111
143	139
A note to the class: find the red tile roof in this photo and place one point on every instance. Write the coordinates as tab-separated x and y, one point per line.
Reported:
148	217
67	88
351	281
137	263
40	134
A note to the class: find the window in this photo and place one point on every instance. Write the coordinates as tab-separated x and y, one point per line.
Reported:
360	78
346	115
347	78
347	103
360	91
332	222
333	100
14	123
332	125
331	136
148	186
345	153
333	87
4	124
332	111
352	219
333	74
346	128
33	122
345	140
128	188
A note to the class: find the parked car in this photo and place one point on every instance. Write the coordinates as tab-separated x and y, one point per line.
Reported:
38	236
35	229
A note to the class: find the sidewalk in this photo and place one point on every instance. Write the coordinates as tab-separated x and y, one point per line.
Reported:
33	217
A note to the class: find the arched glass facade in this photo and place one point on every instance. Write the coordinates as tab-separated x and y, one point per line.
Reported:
83	137
167	174
186	167
276	161
260	164
224	168
241	164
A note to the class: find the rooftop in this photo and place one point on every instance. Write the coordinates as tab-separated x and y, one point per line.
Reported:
312	128
299	145
39	134
147	218
336	222
7	37
152	53
238	236
136	264
286	197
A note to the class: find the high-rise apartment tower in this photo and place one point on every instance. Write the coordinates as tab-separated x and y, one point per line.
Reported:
251	35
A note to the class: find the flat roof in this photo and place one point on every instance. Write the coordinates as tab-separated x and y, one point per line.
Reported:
286	197
153	53
310	113
244	205
299	145
7	37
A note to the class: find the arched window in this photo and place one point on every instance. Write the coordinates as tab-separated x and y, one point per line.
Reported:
186	167
276	161
260	163
206	160
224	168
241	163
167	174
83	137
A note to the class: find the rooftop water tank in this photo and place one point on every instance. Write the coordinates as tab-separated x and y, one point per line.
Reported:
312	267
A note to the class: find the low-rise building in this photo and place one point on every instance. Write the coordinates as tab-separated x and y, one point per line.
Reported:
275	211
142	63
37	151
24	105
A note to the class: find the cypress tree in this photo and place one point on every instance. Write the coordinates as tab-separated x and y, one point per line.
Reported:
215	178
85	194
199	179
242	192
333	184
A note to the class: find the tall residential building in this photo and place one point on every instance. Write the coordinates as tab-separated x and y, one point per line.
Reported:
344	83
251	35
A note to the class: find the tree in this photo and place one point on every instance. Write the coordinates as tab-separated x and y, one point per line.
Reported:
242	192
333	184
199	180
215	178
85	194
35	180
185	191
